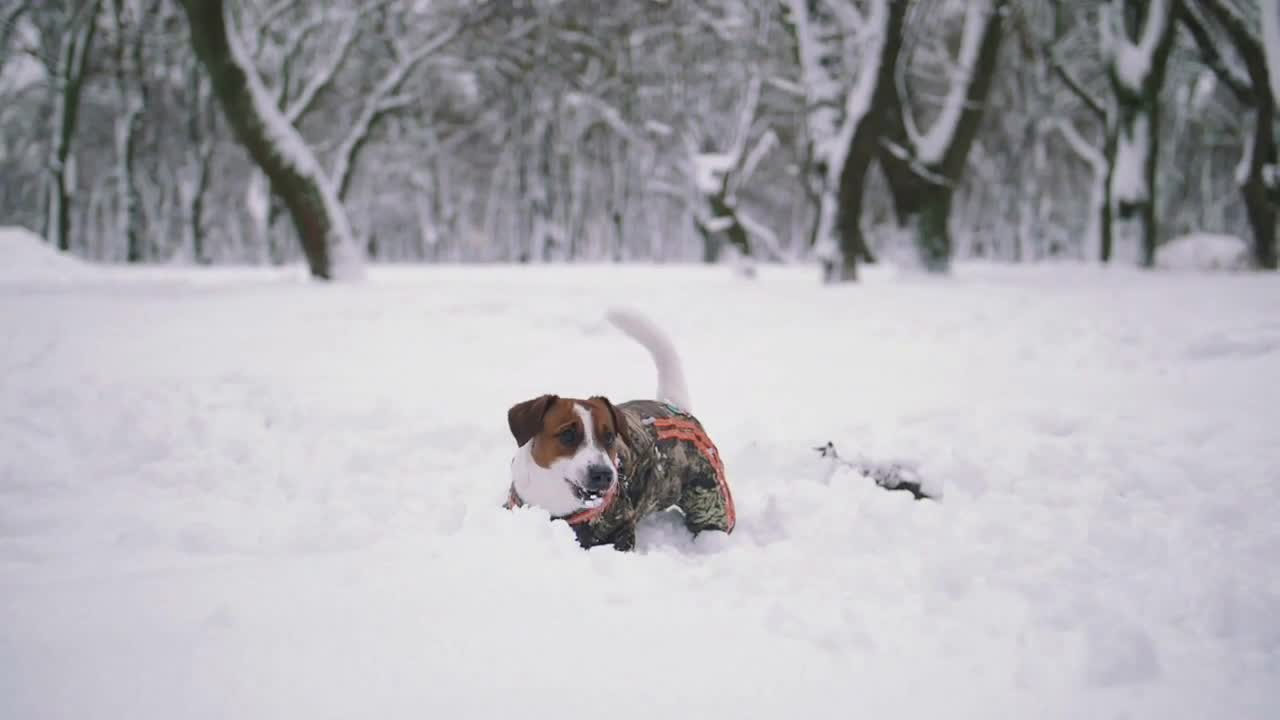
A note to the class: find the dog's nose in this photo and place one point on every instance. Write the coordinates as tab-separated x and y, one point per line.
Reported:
599	477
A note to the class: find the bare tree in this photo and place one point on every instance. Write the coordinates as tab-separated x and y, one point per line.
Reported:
555	131
67	74
1137	36
130	19
846	125
1098	234
1257	174
201	136
1271	44
8	23
924	169
274	144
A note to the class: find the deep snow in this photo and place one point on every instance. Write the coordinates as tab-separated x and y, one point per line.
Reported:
233	493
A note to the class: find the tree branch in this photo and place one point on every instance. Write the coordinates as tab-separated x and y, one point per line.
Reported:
982	27
381	101
1234	80
323	77
1082	147
1246	44
1077	88
851	21
9	23
1049	51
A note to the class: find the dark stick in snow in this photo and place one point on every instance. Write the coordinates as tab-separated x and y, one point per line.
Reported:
890	476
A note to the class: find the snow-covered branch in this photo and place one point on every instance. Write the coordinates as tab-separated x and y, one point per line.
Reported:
710	169
846	15
323	76
1086	150
933	145
857	102
1249	46
381	101
1132	62
767	142
606	112
8	24
1076	87
1235	78
296	37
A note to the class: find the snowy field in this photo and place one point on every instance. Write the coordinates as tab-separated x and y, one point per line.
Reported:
236	494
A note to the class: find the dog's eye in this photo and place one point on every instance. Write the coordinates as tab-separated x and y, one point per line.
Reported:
607	438
569	436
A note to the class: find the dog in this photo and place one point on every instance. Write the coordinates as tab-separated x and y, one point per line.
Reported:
602	467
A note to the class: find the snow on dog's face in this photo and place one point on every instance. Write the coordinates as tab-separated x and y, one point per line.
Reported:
568	453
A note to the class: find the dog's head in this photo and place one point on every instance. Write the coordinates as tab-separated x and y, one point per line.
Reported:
568	452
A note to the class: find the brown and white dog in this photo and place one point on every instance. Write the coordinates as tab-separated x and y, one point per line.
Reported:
602	467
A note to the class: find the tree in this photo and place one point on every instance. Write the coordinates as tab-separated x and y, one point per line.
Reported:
924	170
200	141
846	128
1098	234
1137	36
75	42
1271	44
275	145
1258	174
130	18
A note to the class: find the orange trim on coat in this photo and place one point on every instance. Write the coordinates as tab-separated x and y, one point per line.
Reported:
681	429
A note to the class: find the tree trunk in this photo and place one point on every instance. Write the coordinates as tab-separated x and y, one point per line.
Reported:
323	228
1136	30
723	228
1135	144
865	128
843	147
933	234
923	173
1262	218
1106	213
1257	173
133	100
1260	198
200	159
68	78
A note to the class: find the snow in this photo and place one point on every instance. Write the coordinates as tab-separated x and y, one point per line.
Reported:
1204	251
232	493
25	258
709	169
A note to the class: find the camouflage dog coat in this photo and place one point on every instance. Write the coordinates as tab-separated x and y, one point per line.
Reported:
666	460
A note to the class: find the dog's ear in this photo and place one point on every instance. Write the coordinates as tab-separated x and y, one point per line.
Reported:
525	419
614	415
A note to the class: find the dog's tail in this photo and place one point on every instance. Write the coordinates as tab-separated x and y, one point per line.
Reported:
671	384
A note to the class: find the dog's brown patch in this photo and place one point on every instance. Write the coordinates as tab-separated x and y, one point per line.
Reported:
556	428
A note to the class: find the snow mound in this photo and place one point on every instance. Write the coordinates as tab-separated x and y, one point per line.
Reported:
1204	251
25	258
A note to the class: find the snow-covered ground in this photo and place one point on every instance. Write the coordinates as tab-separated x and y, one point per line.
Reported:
235	493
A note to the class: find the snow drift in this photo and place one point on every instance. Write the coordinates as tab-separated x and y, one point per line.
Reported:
275	500
25	258
1204	251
